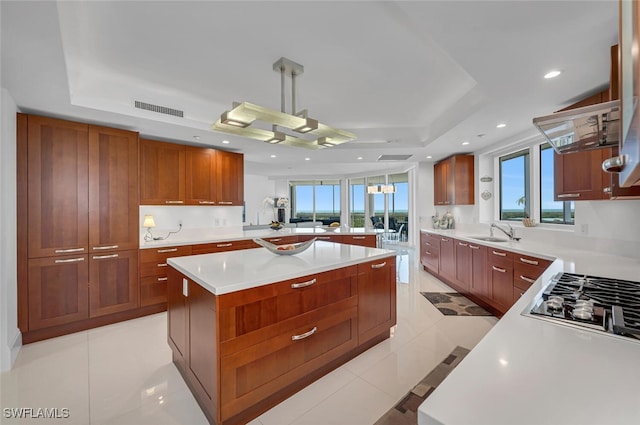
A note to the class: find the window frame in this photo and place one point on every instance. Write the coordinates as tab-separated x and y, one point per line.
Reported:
566	205
527	181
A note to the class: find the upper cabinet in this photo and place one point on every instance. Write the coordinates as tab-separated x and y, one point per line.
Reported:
453	180
173	174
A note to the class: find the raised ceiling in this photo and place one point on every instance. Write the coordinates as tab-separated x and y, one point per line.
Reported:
407	77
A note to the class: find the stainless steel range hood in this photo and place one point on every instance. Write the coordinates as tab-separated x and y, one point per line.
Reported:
590	127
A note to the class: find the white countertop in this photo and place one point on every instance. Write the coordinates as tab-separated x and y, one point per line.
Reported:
186	237
231	271
529	371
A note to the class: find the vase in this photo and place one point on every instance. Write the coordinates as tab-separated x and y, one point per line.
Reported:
281	215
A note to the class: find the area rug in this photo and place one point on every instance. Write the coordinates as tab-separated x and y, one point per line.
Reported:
454	304
405	412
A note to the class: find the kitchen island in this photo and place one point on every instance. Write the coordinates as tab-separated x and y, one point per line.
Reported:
531	371
250	328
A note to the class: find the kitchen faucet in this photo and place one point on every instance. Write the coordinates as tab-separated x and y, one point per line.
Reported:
511	233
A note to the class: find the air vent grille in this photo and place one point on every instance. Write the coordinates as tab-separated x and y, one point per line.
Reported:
394	157
159	109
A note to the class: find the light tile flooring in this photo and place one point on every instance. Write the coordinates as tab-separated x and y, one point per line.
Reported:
122	373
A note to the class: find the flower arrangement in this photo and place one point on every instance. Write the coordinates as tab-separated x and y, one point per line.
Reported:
282	202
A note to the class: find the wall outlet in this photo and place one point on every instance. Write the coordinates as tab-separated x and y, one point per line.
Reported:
584	229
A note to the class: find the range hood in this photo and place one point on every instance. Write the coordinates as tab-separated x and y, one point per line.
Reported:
590	127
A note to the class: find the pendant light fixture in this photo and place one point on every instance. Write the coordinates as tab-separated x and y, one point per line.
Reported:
295	129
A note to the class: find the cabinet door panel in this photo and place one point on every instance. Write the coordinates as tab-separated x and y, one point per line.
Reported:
479	283
203	338
177	316
376	298
578	176
113	189
162	173
200	180
57	187
58	291
463	265
229	178
113	282
447	258
501	277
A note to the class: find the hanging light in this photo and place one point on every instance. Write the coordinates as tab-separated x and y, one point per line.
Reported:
242	116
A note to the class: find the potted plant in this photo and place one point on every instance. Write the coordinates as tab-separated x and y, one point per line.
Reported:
526	220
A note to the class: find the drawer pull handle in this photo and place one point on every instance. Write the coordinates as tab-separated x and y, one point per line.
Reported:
174	202
223	245
104	257
304	335
70	260
359	237
427	243
60	251
527	279
206	202
428	253
162	264
225	202
303	284
498	269
501	254
445	240
379	266
474	247
105	247
463	244
323	237
162	279
160	251
569	195
524	260
275	240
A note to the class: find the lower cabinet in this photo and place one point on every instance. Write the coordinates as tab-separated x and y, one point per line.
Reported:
500	274
447	258
113	282
242	353
153	273
430	251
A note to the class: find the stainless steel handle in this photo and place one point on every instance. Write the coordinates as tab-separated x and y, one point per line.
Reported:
323	237
61	251
275	240
427	243
501	254
105	247
379	265
103	257
304	335
613	165
463	244
527	279
162	279
303	284
524	260
222	245
160	251
444	240
162	264
428	253
225	202
174	202
569	195
206	202
498	269
359	237
474	247
70	260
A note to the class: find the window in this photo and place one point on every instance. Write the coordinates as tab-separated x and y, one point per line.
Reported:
551	211
356	200
316	200
515	199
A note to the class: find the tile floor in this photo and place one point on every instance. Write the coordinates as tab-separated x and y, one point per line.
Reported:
122	373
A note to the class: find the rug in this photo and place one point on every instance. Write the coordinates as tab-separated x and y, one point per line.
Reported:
454	304
405	412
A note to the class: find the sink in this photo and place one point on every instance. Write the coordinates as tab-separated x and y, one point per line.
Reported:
489	239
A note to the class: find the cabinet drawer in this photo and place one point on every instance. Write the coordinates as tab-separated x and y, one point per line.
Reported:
383	263
518	291
223	246
531	261
282	240
496	253
153	290
524	274
330	238
153	262
362	240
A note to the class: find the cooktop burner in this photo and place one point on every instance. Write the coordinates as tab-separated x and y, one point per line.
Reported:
599	303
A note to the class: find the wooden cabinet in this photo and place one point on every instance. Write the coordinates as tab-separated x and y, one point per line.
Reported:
500	275
578	176
113	282
479	285
57	188
463	264
430	251
229	178
376	298
57	291
177	317
329	238
113	189
453	180
447	258
153	272
200	176
362	240
526	270
222	246
162	173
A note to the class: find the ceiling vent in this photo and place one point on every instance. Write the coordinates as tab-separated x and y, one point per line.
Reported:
159	109
394	157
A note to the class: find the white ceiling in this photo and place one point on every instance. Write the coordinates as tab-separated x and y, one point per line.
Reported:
407	77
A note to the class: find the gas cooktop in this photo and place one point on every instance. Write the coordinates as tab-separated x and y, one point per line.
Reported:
597	303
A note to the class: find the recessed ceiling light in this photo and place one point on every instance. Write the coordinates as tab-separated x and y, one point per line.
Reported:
501	125
429	157
307	159
359	157
196	137
273	156
552	74
465	143
225	142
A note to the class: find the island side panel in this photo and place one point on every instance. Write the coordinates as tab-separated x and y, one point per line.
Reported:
376	298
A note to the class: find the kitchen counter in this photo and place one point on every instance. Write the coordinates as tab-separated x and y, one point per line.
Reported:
529	371
191	237
230	271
